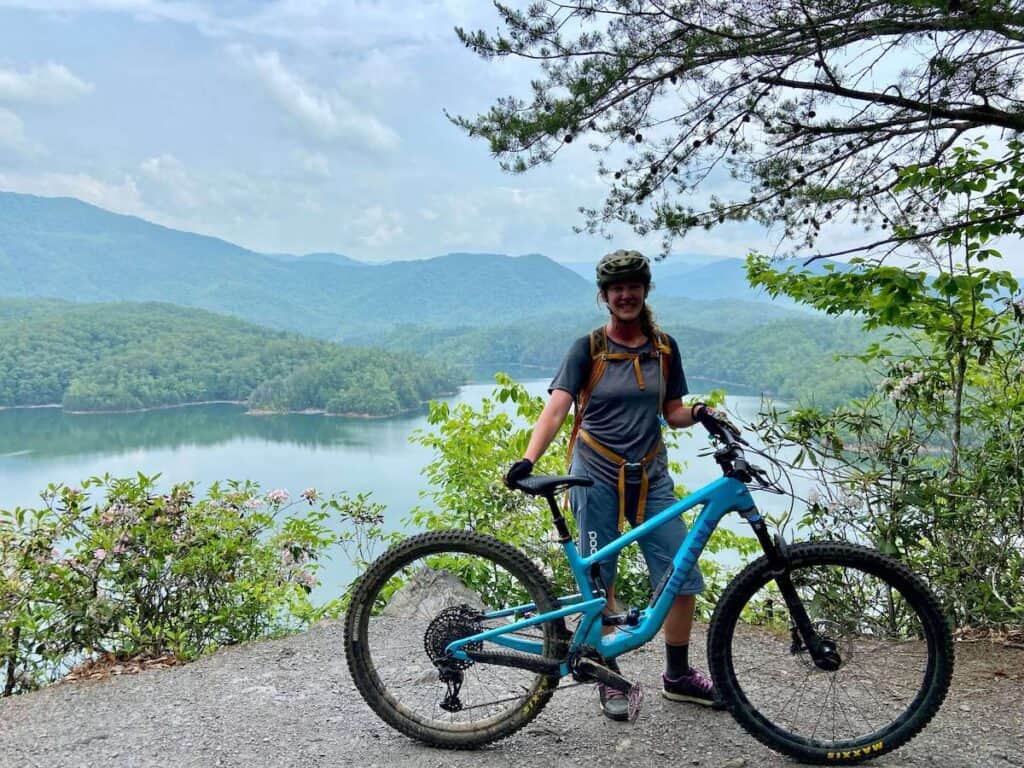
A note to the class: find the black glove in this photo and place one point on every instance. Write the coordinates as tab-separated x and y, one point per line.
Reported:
518	471
702	413
713	420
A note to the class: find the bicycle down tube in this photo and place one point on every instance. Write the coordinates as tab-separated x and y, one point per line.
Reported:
718	498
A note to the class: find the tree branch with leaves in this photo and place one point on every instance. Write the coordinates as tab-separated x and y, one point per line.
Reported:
813	107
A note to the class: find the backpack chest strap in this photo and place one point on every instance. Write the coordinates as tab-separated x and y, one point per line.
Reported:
635	358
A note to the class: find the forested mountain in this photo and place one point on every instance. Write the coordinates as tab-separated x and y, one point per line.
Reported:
699	276
744	347
480	312
538	339
325	258
91	357
64	248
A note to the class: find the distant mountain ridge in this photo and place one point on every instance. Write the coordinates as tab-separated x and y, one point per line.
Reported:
322	257
64	248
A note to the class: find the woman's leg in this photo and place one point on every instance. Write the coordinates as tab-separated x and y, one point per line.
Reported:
679	622
681	682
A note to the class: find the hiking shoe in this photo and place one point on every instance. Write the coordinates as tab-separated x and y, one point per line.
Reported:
614	703
694	687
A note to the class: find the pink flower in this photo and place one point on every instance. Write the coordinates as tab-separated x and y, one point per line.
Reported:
277	496
99	554
310	495
306	579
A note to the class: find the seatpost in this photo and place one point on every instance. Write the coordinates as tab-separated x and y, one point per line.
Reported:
556	514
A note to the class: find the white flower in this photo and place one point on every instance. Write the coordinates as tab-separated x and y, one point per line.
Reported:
306	579
287	558
310	495
277	496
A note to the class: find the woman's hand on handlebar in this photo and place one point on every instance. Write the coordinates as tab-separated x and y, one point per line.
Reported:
715	422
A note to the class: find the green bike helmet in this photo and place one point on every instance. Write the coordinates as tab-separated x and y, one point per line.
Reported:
623	266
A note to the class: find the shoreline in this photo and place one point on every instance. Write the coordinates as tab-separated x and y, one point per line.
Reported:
248	412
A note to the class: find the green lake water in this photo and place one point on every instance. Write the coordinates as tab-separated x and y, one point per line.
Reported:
293	451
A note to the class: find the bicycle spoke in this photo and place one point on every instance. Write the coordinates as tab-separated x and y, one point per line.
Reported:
864	606
421	606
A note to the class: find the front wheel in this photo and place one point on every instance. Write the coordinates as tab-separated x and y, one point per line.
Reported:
895	654
427	592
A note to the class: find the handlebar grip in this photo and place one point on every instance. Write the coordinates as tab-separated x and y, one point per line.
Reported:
712	425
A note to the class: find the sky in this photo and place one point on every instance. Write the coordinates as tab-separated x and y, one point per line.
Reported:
291	126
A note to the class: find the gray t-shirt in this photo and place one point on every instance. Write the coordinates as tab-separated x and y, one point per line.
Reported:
620	415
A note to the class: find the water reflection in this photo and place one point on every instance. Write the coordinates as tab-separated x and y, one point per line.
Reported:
50	432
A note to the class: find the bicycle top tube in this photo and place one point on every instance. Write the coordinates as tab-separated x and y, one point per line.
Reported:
719	497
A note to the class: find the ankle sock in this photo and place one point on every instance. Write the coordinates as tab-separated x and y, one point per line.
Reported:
677	660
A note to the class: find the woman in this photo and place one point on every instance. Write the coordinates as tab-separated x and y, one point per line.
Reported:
610	376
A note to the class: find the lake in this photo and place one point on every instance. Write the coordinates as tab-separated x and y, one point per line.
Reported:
291	451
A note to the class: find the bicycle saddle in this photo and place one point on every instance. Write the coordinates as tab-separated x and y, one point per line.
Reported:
548	485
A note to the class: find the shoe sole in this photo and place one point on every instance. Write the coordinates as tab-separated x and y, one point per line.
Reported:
692	700
617	717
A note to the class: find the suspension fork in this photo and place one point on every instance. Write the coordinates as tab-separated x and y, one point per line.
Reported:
823	650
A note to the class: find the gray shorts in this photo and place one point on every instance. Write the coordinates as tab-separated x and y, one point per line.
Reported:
597	513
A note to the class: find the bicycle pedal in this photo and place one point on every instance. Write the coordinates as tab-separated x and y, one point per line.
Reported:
635	698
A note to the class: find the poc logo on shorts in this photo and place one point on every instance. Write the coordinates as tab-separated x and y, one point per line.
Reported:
592	540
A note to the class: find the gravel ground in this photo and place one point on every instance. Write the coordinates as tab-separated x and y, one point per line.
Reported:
291	702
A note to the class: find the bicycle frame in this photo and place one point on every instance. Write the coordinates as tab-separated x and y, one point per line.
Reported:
718	498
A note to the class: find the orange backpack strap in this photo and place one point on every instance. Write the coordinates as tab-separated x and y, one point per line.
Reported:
599	357
598	362
663	348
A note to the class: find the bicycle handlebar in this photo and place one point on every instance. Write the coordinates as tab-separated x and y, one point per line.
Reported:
731	457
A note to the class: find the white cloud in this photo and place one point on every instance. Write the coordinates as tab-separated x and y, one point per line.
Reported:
314	164
12	135
381	227
121	197
356	25
323	113
48	84
175	180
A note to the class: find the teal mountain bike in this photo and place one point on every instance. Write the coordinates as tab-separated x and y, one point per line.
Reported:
829	652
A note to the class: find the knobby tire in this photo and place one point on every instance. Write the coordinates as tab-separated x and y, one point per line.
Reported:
433	726
889	620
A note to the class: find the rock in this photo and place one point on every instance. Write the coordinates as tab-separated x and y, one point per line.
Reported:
428	593
736	762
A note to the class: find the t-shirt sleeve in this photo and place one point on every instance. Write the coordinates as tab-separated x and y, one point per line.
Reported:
676	387
575	370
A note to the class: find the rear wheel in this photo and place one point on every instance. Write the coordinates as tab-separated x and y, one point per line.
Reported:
425	593
895	654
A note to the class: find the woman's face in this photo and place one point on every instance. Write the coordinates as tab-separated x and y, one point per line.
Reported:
626	300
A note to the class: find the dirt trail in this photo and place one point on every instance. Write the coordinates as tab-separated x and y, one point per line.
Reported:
291	702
